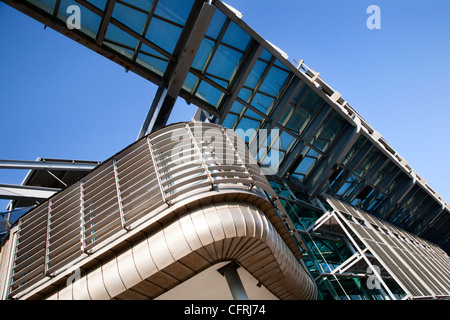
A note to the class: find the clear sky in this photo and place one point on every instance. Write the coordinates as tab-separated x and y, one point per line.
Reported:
59	99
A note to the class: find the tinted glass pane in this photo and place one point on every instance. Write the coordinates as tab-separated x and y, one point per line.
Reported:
174	10
115	34
202	54
121	50
142	4
286	140
131	18
101	4
163	34
246	124
312	100
265	55
229	121
236	37
216	24
236	107
224	62
46	5
298	120
153	63
274	81
190	82
244	94
208	93
262	102
255	74
305	165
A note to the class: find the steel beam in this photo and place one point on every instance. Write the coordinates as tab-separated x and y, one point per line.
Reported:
177	72
14	192
251	56
290	160
45	165
377	165
342	144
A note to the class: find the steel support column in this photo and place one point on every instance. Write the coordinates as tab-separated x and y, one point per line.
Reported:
234	281
174	77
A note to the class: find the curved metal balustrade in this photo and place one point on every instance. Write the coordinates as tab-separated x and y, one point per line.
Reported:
149	184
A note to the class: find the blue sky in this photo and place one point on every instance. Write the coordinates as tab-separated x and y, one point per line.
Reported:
59	99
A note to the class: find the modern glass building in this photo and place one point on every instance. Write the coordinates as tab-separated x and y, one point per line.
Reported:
284	188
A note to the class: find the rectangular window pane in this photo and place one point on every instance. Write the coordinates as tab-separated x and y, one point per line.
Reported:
163	34
274	81
224	63
133	19
236	37
174	10
208	93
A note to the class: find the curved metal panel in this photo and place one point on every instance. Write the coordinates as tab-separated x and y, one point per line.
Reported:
264	254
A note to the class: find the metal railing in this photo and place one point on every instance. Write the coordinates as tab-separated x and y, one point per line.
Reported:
138	183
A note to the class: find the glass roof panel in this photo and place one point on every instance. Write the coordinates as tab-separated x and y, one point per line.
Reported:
265	55
46	5
163	34
236	37
121	50
236	107
262	102
152	62
306	164
209	94
133	19
202	54
189	82
286	140
225	62
298	120
216	24
142	4
174	10
117	35
255	74
245	94
312	100
251	114
230	120
274	81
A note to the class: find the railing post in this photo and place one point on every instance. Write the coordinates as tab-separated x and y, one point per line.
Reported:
152	154
119	196
82	222
47	238
196	147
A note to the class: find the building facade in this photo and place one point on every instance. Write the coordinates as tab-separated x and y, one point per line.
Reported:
336	212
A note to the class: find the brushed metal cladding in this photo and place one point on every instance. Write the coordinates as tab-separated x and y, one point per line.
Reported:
162	186
193	243
419	267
